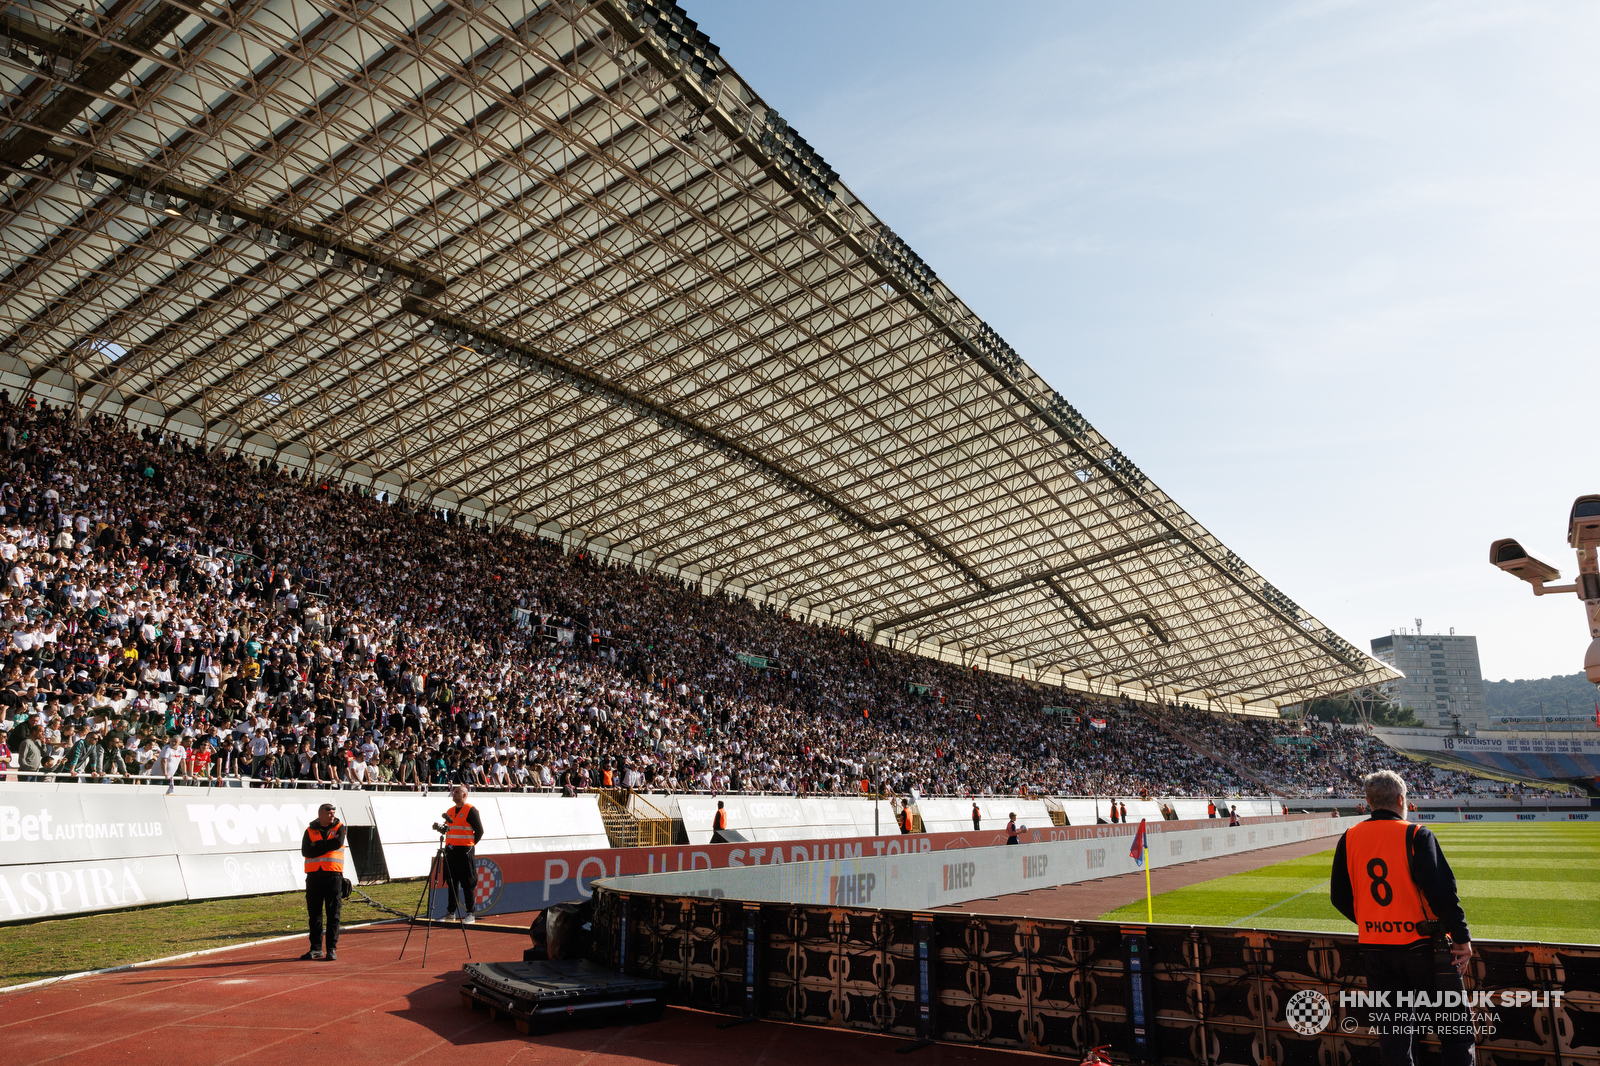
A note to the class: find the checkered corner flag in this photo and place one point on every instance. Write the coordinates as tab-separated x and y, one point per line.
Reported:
1140	846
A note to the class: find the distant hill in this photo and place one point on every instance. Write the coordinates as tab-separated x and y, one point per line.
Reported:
1571	694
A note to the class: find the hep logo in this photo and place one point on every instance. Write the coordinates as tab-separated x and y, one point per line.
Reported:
851	889
959	874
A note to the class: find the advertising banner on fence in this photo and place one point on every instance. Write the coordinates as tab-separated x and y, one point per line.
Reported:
1504	816
45	827
931	878
508	884
245	874
256	820
57	888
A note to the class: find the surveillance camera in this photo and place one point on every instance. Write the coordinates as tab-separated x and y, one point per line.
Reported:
1584	525
1509	556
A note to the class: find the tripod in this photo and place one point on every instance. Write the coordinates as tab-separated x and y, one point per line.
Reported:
435	869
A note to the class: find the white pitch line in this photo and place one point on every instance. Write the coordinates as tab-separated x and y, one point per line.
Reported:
1314	888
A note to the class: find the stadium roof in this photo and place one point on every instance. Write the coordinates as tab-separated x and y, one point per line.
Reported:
558	264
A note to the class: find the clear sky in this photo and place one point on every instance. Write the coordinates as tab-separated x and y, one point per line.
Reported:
1329	272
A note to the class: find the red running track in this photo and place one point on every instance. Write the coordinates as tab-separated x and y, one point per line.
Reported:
261	1004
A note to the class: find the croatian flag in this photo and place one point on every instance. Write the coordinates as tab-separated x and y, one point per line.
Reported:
1140	845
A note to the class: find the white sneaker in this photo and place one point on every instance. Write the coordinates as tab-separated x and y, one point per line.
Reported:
468	919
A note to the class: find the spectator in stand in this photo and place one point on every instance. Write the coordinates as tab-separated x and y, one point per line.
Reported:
226	765
33	755
174	757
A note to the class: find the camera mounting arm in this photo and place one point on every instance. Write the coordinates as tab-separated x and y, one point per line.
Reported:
1583	535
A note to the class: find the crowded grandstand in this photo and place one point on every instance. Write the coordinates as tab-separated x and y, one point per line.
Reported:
191	616
620	445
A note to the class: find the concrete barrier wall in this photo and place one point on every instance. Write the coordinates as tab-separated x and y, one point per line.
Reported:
1086	811
768	818
512	824
919	880
955	815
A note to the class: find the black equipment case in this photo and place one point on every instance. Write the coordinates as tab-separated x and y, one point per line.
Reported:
546	993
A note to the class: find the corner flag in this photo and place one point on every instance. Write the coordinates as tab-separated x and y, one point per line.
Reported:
1140	853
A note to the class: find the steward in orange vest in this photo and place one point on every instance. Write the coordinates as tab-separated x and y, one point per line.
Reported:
905	819
462	827
720	819
322	847
1392	880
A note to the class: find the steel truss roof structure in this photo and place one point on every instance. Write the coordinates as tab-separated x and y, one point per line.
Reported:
557	264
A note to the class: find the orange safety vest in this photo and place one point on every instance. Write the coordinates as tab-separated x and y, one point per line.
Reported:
1388	903
721	820
458	830
905	818
333	861
607	779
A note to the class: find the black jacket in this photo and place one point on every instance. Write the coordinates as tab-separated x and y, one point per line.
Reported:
1430	872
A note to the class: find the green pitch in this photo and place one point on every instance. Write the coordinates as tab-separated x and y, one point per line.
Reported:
1534	882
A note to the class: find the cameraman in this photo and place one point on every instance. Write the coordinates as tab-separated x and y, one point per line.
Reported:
1392	880
322	845
462	828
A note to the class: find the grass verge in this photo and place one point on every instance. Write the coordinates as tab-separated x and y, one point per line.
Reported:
1539	881
57	946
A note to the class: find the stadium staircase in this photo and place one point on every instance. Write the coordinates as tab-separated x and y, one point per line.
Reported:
633	821
1267	784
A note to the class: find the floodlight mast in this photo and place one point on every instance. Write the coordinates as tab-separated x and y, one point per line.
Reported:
1583	535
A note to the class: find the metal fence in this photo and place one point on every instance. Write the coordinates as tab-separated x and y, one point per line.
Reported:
1155	994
